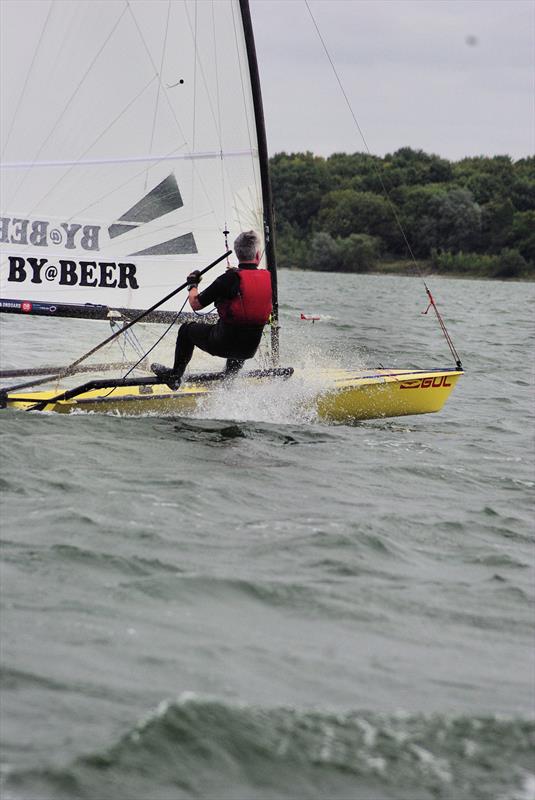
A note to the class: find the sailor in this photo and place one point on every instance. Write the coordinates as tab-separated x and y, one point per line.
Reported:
243	301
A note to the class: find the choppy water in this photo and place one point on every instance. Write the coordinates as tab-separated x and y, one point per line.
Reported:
252	604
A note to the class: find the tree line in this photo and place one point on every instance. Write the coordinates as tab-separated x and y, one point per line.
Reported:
360	213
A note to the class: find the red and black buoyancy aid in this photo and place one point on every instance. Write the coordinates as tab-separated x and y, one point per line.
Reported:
252	305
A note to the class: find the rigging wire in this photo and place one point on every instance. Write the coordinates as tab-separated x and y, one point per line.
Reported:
70	100
156	343
393	209
158	89
220	132
120	186
93	143
30	70
258	188
130	338
199	75
170	104
198	64
194	120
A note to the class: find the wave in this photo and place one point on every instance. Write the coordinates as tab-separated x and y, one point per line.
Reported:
196	747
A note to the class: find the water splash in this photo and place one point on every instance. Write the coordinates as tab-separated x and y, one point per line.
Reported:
278	400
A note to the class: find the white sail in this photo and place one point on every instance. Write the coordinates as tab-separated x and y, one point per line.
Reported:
128	146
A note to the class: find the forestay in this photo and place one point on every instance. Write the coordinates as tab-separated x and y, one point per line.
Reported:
128	146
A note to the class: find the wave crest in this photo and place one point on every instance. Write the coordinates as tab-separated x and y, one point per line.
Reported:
195	747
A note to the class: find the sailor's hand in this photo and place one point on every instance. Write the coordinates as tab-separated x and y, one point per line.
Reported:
193	279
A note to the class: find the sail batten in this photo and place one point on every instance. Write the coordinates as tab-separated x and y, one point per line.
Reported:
214	154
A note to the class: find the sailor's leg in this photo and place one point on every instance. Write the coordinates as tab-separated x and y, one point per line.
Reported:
234	365
183	353
184	349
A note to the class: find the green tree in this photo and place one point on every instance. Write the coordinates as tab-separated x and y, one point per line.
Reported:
523	235
418	208
359	171
292	250
344	167
345	211
496	224
408	167
510	264
452	222
299	183
358	252
487	178
523	190
324	253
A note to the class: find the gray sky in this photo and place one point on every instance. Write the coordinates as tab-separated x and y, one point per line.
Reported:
453	77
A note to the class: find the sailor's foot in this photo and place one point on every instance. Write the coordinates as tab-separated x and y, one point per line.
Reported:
167	376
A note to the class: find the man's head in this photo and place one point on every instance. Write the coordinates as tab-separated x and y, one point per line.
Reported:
247	247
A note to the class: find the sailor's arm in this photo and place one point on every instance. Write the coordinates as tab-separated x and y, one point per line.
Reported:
218	289
224	286
193	279
193	297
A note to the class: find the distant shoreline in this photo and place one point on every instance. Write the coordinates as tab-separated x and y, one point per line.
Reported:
405	270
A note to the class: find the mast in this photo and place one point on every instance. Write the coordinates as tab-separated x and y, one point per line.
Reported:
267	200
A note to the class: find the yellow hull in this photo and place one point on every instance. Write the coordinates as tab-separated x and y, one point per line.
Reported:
347	395
386	393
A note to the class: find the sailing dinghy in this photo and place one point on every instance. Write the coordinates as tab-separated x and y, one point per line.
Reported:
133	150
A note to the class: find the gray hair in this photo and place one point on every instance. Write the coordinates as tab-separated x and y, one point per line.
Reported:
247	245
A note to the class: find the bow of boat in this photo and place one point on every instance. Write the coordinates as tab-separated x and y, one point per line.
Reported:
374	394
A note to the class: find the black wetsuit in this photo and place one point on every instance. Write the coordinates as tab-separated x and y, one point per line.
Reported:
235	342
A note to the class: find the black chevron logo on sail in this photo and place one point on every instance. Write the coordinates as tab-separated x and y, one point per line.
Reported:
176	246
164	198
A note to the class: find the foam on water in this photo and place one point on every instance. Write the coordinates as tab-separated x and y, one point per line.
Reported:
277	401
280	400
200	746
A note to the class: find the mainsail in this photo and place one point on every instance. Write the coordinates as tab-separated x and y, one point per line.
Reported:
129	149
